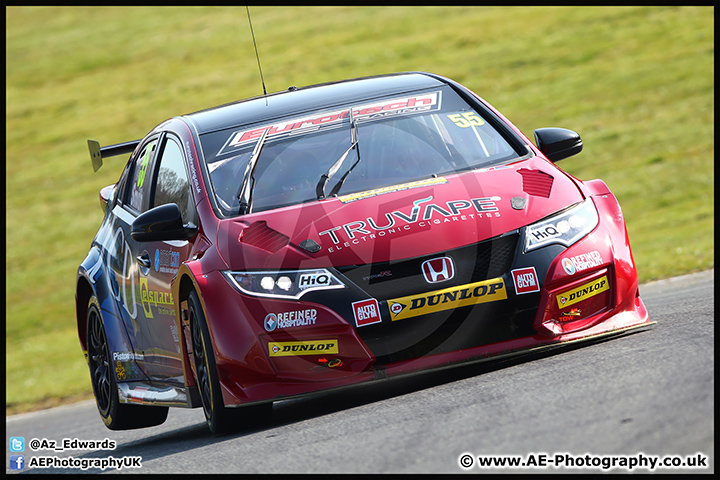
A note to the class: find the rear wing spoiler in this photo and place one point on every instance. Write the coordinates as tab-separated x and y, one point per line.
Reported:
97	153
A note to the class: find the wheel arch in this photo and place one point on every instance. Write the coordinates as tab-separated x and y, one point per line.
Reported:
182	287
83	292
186	285
88	273
92	280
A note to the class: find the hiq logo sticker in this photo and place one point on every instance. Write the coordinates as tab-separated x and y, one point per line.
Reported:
319	279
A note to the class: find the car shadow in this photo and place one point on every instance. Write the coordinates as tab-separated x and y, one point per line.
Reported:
287	412
323	403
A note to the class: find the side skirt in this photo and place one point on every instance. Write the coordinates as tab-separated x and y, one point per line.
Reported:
145	393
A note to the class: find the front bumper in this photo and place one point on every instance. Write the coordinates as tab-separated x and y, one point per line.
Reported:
550	296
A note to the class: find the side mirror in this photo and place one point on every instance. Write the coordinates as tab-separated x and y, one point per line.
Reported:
558	143
161	223
107	196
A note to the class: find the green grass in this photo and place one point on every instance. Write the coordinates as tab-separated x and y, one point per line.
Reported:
636	82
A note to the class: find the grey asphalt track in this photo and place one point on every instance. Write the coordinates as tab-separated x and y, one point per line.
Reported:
643	395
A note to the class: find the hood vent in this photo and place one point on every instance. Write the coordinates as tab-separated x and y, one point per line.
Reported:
261	236
536	182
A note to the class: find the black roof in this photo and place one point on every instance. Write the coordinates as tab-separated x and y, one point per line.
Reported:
289	102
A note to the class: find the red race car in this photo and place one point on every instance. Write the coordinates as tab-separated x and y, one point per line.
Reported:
336	234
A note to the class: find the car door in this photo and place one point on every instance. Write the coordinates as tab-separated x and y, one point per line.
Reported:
134	196
143	271
158	262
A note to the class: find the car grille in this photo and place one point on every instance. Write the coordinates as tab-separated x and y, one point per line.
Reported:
481	261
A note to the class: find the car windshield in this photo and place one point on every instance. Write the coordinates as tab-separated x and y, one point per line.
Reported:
400	139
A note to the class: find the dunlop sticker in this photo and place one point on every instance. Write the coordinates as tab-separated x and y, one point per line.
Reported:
448	299
583	292
306	347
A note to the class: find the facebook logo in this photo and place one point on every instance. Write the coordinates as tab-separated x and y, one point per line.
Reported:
17	462
17	444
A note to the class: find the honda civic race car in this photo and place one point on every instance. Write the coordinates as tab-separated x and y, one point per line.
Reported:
335	234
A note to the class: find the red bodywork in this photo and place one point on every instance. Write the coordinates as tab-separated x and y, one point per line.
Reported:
248	374
508	297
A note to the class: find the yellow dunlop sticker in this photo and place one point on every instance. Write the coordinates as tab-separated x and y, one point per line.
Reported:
447	299
306	347
583	292
393	188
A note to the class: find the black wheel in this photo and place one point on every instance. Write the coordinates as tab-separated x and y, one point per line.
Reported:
219	418
115	415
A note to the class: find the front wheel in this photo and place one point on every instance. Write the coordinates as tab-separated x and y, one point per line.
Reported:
219	418
115	415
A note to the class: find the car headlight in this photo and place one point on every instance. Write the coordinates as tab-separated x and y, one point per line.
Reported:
564	228
289	284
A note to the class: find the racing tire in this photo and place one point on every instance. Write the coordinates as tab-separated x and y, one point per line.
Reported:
220	419
115	415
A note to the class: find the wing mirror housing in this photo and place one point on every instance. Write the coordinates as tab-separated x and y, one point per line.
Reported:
107	196
160	224
558	143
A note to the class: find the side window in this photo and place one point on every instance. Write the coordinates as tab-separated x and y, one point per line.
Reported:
173	185
139	188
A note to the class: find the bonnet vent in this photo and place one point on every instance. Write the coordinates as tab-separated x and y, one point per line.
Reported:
536	182
261	236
